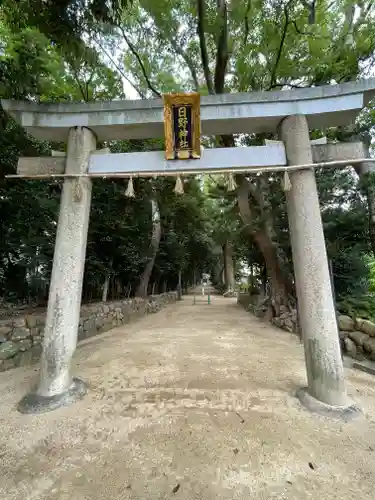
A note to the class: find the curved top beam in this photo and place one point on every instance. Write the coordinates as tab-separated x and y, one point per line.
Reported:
250	112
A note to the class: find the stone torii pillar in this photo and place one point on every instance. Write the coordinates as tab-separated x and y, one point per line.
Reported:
326	391
56	386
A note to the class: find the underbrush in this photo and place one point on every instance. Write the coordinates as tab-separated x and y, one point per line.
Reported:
358	307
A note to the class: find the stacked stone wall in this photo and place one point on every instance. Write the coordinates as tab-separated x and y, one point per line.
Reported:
357	335
21	335
287	319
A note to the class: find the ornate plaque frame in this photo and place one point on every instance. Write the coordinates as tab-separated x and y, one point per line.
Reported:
193	100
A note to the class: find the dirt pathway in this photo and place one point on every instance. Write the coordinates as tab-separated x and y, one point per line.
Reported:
195	402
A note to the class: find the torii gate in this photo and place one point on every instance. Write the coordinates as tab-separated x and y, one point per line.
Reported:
290	113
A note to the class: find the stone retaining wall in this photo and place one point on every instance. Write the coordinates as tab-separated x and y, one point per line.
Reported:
357	337
287	320
246	300
21	336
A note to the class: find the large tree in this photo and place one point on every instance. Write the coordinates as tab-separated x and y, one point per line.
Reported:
120	227
219	46
213	47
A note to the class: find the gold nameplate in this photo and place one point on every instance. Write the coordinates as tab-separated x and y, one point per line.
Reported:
182	126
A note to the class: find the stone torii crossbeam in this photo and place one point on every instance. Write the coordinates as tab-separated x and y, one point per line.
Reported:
289	113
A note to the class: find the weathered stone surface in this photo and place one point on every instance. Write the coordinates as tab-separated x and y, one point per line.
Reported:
343	334
8	350
3	338
362	336
25	358
365	326
350	347
20	333
283	310
346	323
31	321
25	344
6	364
19	322
36	352
287	321
17	359
4	331
34	332
40	320
369	345
358	337
22	338
288	325
268	315
359	355
276	322
89	325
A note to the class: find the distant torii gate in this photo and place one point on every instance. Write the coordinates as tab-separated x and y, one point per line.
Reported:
290	113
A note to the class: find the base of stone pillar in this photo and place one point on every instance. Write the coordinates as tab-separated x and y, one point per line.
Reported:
34	403
345	413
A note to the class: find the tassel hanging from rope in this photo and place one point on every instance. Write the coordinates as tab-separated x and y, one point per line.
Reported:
231	183
129	193
179	187
287	186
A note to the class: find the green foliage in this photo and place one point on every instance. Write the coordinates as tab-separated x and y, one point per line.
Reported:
362	306
64	22
120	228
371	277
345	223
84	51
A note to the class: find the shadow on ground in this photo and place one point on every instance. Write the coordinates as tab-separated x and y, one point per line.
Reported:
195	402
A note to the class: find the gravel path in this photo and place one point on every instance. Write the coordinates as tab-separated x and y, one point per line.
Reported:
195	402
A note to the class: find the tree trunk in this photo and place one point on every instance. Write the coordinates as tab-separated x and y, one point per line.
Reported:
366	173
263	283
107	281
251	280
218	274
112	282
281	289
228	266
105	288
262	238
154	247
179	285
119	288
